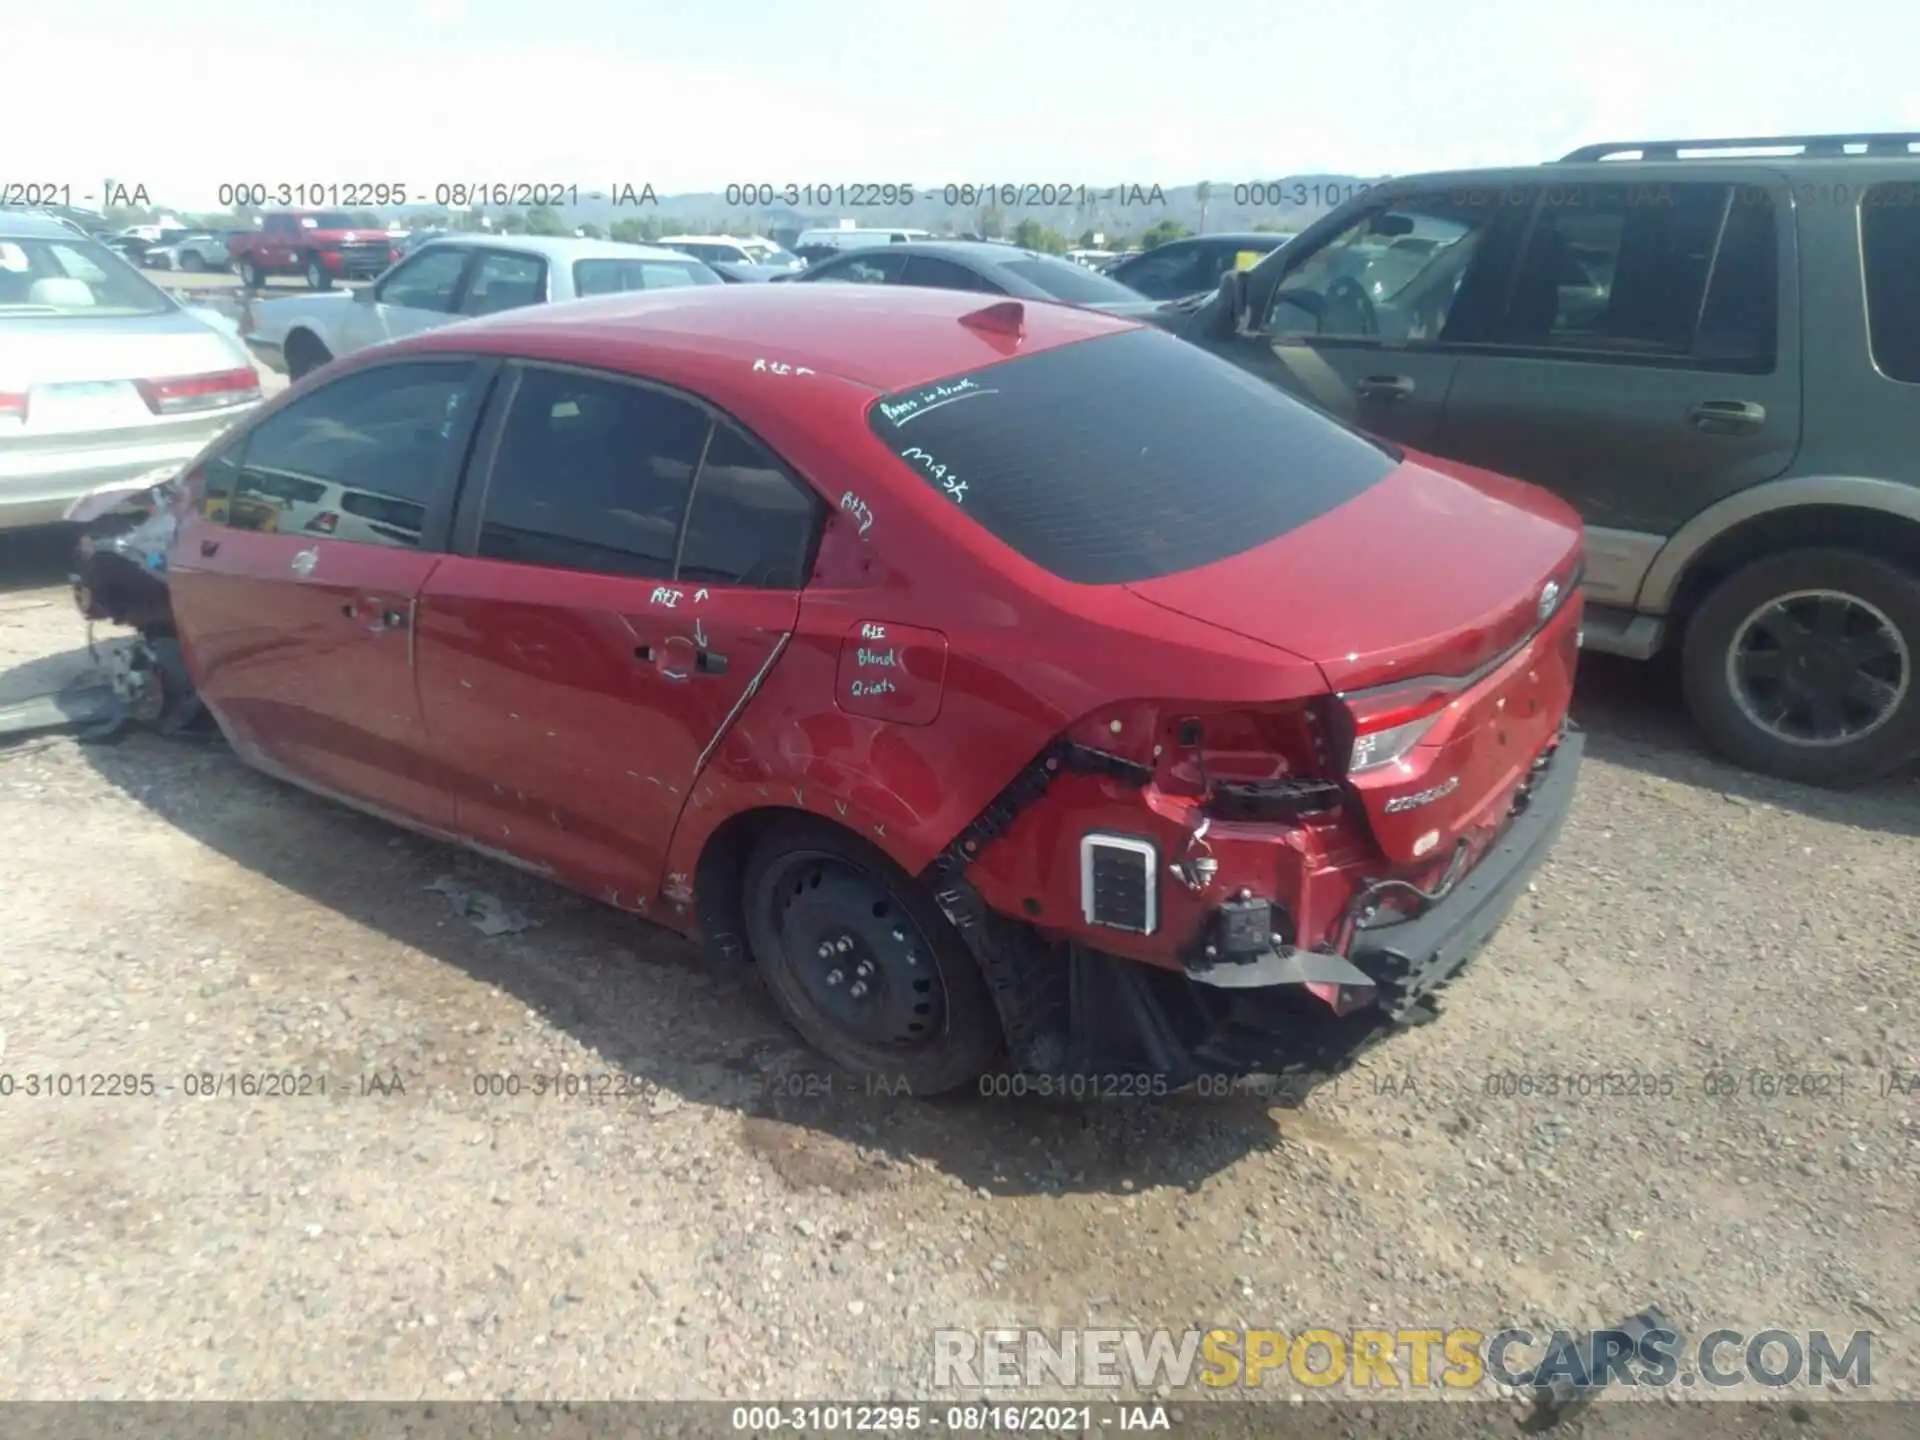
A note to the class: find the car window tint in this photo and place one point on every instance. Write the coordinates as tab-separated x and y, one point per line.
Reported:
1066	281
427	281
357	459
1397	274
751	523
1168	274
504	282
932	273
1890	238
1618	269
592	474
1739	321
611	277
866	268
1127	457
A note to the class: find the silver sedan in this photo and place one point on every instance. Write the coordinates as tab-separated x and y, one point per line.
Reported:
103	376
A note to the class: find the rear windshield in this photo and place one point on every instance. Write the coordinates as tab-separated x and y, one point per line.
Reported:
1127	457
609	277
1064	280
73	278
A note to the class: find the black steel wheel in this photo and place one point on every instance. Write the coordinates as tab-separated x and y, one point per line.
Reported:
304	354
863	964
1802	666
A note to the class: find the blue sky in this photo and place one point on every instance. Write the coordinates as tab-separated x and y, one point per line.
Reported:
185	94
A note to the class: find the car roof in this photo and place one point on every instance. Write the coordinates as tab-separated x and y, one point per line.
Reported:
715	240
26	225
555	247
985	251
885	337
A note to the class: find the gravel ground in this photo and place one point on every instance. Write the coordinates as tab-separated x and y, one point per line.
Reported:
740	1225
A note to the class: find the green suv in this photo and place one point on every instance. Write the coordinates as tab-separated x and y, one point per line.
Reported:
1711	348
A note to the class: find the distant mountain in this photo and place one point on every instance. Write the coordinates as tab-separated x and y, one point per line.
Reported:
1289	203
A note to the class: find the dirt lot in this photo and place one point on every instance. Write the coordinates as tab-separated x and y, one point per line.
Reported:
719	1233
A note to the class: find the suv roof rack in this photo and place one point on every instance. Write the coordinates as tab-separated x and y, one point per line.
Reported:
1832	147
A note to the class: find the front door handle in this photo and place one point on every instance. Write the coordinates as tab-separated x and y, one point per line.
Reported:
1385	387
209	547
1727	417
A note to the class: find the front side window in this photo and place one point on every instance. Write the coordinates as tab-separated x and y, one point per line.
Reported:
1168	273
1651	271
1128	457
503	281
359	459
426	281
612	277
592	474
865	267
1890	246
931	273
1393	275
1065	281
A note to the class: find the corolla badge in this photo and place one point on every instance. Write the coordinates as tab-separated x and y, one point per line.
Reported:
1549	599
304	562
1400	804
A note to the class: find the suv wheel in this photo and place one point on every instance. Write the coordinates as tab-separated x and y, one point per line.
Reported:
190	260
317	276
863	963
250	276
1802	666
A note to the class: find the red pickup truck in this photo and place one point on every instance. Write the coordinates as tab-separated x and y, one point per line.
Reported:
323	245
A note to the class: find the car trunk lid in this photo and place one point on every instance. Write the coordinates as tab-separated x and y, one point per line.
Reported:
1440	606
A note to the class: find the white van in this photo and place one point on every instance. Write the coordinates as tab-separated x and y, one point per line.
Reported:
856	239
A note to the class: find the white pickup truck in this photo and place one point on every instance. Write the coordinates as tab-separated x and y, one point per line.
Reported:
455	278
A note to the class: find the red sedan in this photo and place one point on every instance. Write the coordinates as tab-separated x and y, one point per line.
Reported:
1016	685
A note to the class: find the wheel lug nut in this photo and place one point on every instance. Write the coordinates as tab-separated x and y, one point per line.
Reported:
863	969
834	977
826	950
859	989
899	934
843	944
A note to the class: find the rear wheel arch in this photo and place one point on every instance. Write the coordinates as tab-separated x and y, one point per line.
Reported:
1890	535
1850	509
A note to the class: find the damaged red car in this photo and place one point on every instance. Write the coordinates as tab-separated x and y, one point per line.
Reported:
1016	686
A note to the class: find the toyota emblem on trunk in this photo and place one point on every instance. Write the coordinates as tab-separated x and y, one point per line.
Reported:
1549	597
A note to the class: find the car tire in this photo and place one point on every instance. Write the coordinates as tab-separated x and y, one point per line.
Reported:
821	903
304	355
191	261
317	276
1838	624
250	276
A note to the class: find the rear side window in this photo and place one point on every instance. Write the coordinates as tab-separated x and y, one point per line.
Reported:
1126	458
592	474
1890	246
357	459
503	281
1685	271
751	523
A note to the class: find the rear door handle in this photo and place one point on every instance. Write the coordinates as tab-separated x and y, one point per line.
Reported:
1728	417
1385	387
710	662
209	547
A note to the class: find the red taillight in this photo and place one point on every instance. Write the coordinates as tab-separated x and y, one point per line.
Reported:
326	522
200	392
1389	721
13	405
